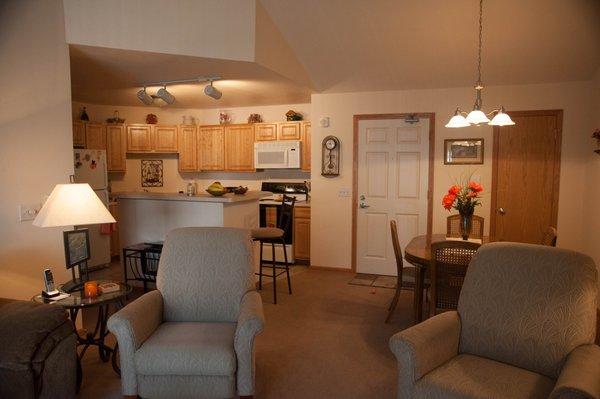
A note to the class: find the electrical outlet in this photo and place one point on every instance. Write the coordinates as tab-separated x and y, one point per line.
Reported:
344	192
28	212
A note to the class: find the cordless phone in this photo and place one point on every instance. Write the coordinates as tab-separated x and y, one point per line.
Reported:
50	291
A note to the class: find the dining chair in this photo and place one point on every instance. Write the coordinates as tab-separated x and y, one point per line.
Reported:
449	262
276	236
401	271
453	226
549	237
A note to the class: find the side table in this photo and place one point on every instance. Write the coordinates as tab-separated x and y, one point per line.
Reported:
76	302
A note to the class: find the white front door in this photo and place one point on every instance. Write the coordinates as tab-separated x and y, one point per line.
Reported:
393	173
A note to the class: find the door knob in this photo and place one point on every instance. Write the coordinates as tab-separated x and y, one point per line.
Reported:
363	205
501	211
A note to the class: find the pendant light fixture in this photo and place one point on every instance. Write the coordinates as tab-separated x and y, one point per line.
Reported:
477	116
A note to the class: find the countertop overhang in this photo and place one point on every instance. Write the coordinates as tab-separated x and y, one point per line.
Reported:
201	197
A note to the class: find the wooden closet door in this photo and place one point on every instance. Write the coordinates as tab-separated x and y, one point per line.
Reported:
525	176
211	148
239	148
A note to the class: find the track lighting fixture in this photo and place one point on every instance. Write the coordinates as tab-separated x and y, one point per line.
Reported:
169	98
212	91
165	95
145	97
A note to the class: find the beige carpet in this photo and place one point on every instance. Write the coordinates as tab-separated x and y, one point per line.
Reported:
327	340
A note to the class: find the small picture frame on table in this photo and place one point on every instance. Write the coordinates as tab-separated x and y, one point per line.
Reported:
463	151
77	246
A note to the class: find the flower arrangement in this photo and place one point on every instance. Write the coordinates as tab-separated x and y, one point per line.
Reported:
464	198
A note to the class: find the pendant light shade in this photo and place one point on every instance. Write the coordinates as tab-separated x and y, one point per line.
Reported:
457	121
502	119
476	117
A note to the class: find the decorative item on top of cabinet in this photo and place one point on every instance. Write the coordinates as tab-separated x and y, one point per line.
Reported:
116	146
255	118
115	118
596	135
330	156
78	134
239	148
211	148
288	131
95	136
165	138
302	233
151	119
139	138
84	116
186	143
265	131
224	117
305	152
292	115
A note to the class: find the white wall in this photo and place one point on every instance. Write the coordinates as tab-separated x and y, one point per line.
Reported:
175	181
331	228
35	139
202	28
591	187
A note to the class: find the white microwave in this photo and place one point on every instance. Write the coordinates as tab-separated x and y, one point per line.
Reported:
277	154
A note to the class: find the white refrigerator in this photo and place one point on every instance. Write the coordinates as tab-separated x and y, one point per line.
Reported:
90	167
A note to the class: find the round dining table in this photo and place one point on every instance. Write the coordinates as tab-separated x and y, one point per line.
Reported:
418	253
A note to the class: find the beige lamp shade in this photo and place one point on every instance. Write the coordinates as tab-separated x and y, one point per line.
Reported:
73	205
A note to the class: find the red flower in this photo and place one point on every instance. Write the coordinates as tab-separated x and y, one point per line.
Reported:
472	194
476	187
448	200
454	190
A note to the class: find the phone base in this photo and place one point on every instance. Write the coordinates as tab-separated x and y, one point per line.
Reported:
50	294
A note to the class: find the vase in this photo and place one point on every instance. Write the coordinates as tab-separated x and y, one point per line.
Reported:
466	224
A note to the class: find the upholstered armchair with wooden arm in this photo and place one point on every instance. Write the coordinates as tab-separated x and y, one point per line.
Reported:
524	328
194	336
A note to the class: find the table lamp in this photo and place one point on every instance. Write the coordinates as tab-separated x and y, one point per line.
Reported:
74	205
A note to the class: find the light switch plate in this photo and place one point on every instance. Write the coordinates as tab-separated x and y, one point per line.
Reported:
344	192
28	212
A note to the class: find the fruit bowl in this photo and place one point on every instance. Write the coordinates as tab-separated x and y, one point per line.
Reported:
240	190
217	192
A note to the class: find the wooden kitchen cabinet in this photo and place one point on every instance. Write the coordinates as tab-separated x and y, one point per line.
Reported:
265	131
305	151
211	148
165	138
302	233
95	136
78	134
239	148
116	147
288	131
139	138
187	145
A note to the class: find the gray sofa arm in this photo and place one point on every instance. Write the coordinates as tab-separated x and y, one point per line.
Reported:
423	347
132	325
580	376
251	321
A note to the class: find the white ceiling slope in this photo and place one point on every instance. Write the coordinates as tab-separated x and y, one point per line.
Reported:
360	45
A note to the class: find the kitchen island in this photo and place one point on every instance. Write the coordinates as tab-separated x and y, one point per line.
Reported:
148	217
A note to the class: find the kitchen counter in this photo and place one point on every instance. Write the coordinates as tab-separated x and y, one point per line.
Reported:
200	197
303	204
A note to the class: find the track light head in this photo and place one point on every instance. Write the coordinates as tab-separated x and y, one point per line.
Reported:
145	97
165	95
212	91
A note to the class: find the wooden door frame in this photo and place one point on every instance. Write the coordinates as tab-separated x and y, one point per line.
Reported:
357	119
558	113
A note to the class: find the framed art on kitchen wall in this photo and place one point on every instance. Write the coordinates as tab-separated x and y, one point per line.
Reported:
152	173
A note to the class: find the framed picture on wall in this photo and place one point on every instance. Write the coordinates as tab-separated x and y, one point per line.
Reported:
463	151
152	173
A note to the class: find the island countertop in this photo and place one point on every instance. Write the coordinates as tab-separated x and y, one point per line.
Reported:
200	197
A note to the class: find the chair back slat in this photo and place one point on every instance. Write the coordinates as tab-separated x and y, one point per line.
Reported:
549	237
287	213
397	251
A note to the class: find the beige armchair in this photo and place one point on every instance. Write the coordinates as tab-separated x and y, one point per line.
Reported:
193	337
524	328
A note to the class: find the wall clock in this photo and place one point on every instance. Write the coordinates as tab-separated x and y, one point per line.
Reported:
330	163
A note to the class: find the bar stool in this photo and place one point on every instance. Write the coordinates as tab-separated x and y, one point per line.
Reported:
276	235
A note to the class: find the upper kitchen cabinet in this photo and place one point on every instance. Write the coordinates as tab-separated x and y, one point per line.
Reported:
239	148
116	146
305	152
288	131
186	143
165	138
95	136
139	138
211	148
78	134
265	131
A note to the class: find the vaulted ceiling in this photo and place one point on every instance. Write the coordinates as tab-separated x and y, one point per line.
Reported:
309	46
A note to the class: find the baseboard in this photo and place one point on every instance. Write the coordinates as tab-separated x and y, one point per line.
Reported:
330	269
